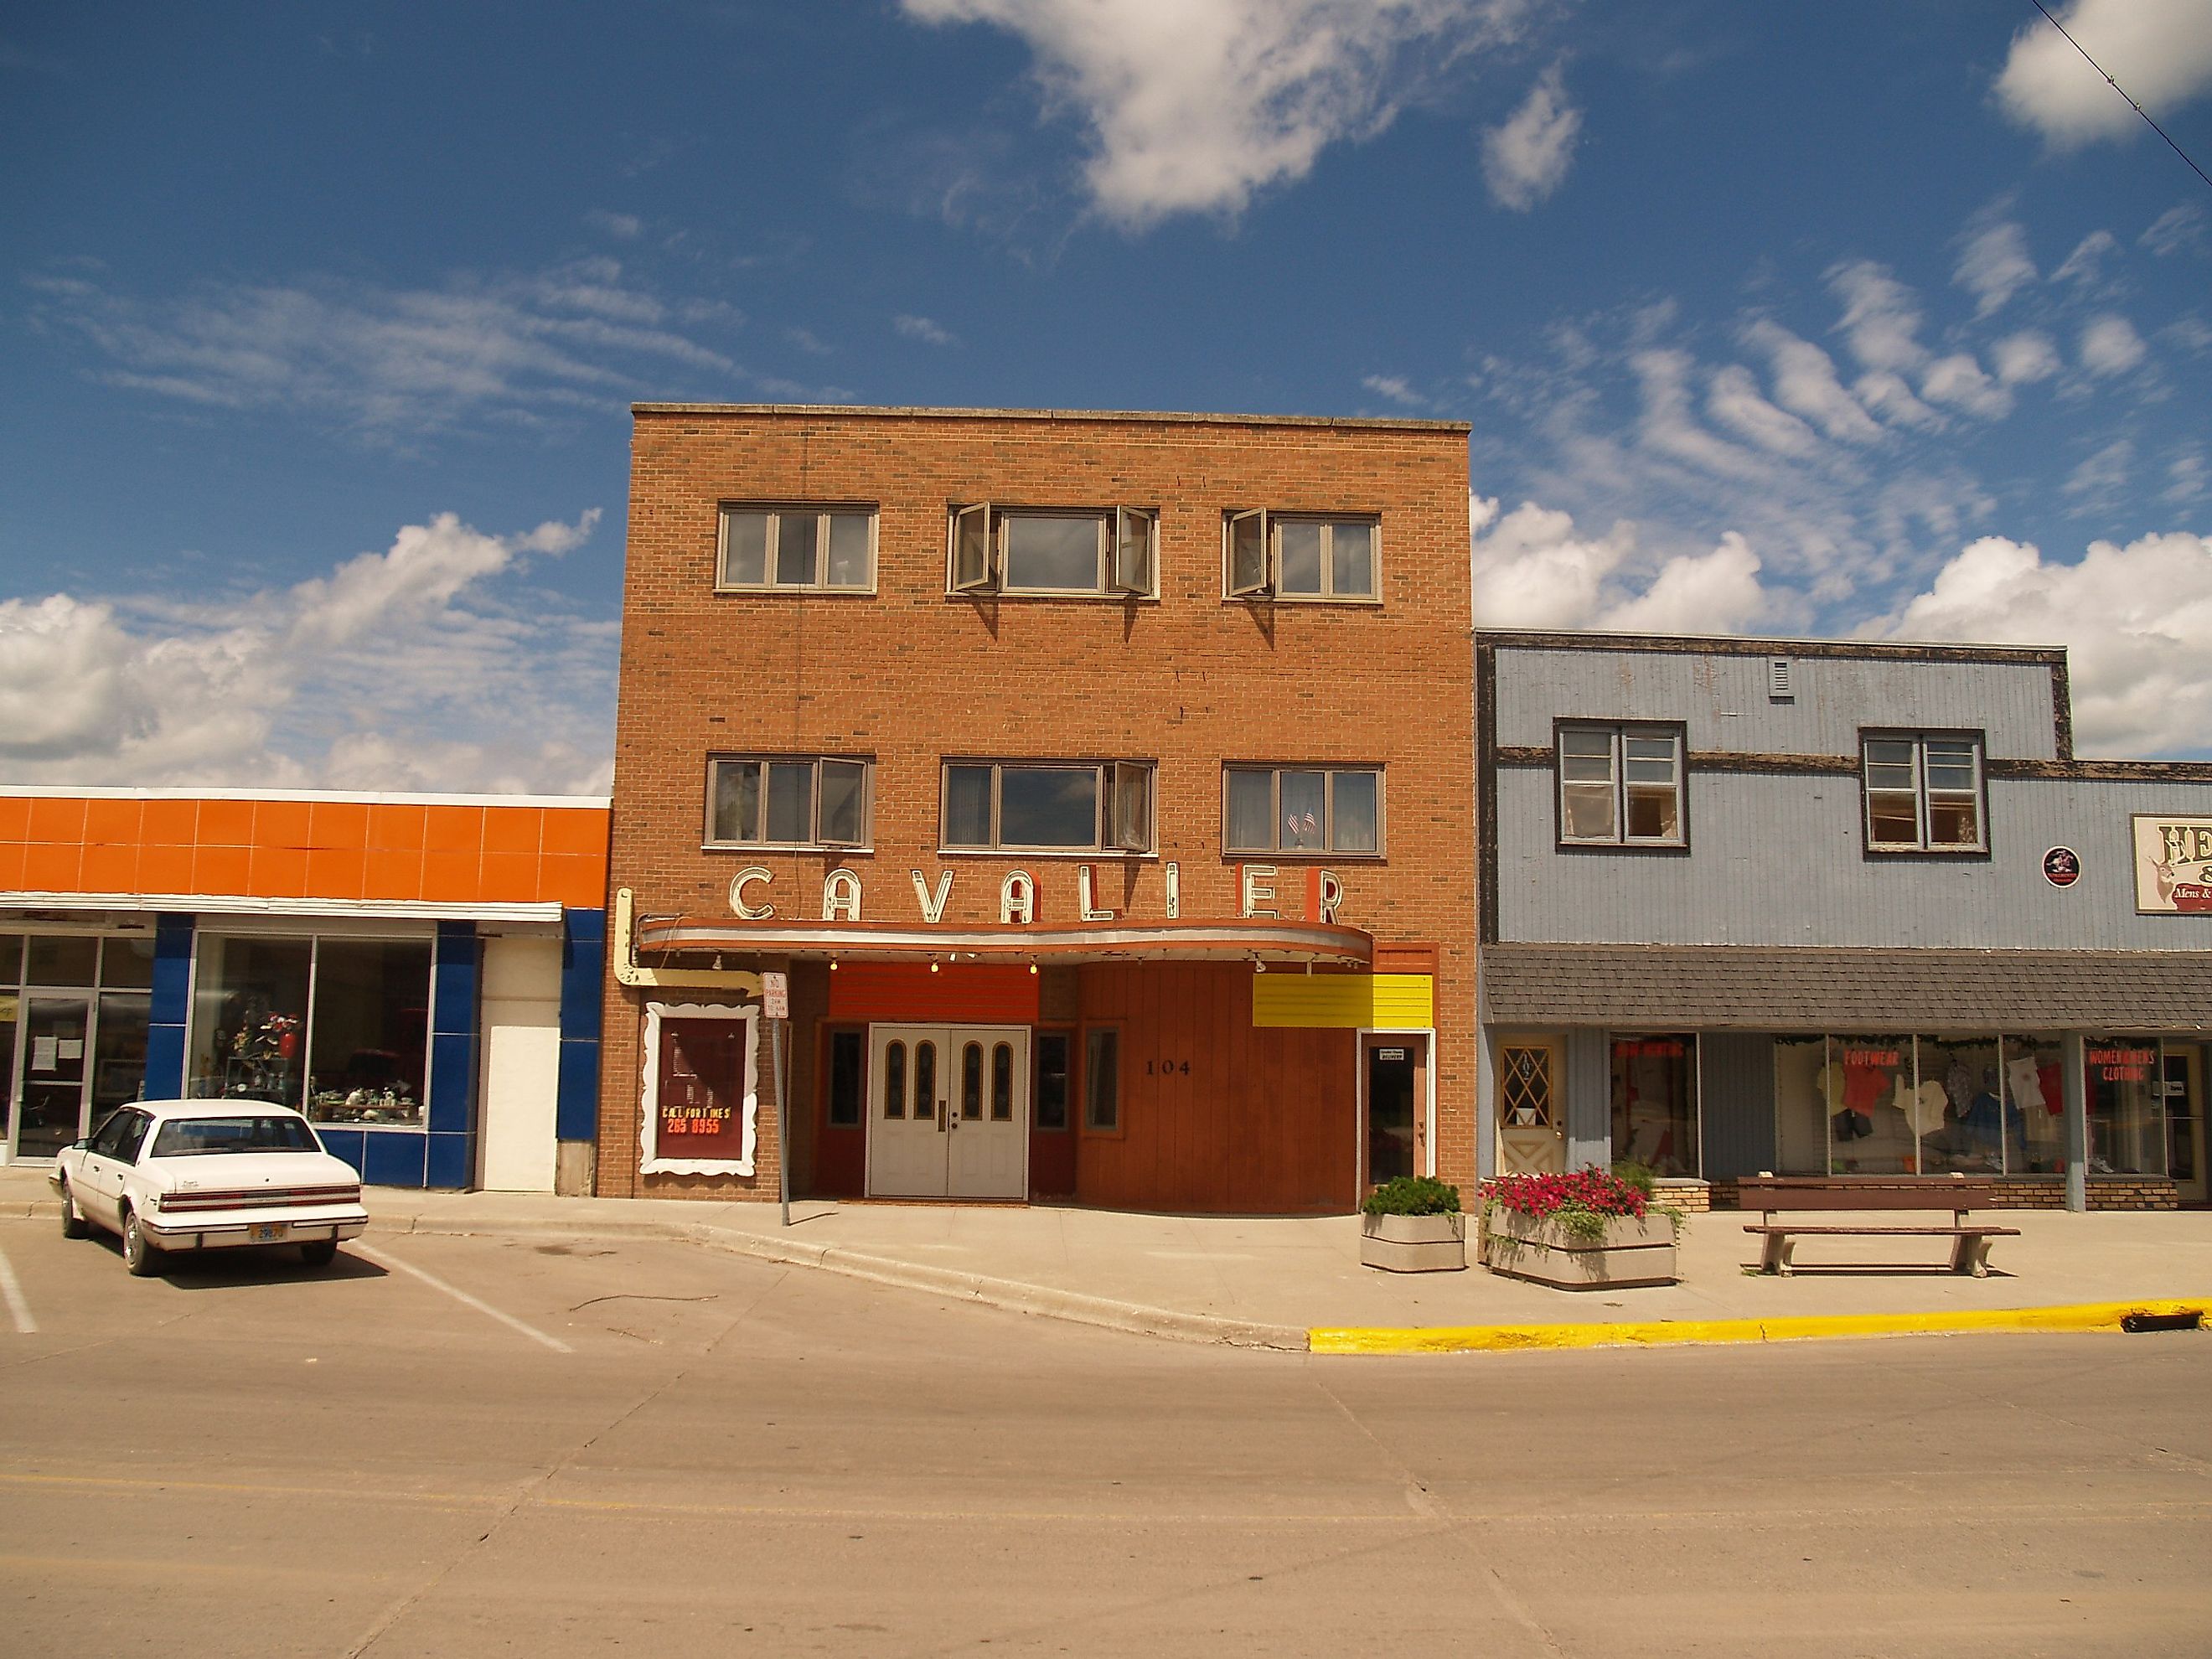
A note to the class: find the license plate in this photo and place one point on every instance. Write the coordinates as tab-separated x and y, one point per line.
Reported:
266	1232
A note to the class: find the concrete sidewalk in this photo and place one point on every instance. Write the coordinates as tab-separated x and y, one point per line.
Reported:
1283	1281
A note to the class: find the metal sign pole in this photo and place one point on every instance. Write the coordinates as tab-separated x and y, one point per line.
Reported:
775	1004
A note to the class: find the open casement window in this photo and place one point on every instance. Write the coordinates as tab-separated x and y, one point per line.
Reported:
1044	806
1251	575
1134	561
787	800
974	566
1924	794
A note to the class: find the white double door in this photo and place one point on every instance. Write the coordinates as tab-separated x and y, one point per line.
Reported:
948	1111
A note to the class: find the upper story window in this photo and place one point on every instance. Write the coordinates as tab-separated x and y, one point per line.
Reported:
1621	785
1924	792
798	549
787	800
1082	806
1054	551
1297	808
1295	557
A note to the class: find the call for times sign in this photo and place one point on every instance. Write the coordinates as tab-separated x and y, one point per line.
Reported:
2173	865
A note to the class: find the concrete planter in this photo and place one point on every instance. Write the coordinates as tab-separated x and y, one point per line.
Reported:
1413	1244
1629	1253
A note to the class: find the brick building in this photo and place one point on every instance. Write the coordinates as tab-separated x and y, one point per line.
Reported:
1099	785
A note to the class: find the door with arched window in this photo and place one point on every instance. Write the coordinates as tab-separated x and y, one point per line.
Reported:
948	1111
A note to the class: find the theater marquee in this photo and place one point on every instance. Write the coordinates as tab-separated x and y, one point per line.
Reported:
2173	865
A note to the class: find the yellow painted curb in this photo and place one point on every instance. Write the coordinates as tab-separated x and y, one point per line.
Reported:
1489	1339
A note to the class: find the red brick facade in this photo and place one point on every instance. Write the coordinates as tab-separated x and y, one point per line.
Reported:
909	674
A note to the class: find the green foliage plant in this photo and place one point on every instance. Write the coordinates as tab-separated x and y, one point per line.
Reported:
1413	1195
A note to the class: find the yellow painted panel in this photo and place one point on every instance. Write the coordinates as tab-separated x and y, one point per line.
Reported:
1350	1000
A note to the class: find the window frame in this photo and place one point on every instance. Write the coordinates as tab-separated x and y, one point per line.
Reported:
1329	770
1924	794
776	512
709	842
1113	807
1265	580
975	551
1617	734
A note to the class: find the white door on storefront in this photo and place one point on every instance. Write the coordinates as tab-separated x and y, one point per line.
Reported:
521	1017
948	1111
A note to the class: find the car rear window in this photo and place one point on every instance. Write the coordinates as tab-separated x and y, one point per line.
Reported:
190	1137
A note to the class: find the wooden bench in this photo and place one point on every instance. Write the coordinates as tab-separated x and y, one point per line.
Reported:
1774	1194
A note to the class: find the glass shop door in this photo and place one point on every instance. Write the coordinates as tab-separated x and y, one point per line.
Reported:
53	1051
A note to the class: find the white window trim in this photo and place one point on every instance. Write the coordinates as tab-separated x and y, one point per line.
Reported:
1619	731
823	510
655	1013
1271	586
1921	803
710	843
1328	769
1105	808
990	581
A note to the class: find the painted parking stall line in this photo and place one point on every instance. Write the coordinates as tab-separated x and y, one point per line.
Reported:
11	1292
384	1258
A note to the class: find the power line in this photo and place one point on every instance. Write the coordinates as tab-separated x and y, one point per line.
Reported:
2122	91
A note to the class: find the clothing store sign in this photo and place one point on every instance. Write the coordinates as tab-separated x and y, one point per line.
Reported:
2173	865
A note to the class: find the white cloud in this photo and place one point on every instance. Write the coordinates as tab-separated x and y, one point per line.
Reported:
1532	570
1192	106
2176	230
1396	388
1959	380
1668	428
2110	345
2159	50
1882	319
407	668
2024	357
1889	395
1733	399
1805	381
2190	478
2137	621
393	362
623	227
2086	264
1995	265
922	329
1525	159
2102	477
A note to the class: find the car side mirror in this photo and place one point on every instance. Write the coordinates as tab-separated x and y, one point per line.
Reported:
80	1145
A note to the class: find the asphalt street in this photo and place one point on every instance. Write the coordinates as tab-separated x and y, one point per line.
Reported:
476	1446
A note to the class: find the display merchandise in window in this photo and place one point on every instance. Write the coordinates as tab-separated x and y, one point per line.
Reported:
1655	1103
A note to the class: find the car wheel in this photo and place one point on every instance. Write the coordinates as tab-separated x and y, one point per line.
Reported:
319	1254
140	1255
74	1225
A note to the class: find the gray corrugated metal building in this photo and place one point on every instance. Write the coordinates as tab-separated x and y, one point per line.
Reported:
1834	907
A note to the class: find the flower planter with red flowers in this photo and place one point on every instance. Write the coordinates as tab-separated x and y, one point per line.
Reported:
1584	1231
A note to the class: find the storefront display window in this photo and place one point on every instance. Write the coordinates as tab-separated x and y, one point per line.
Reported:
1655	1102
2035	1087
1841	1106
2127	1107
1959	1109
337	1027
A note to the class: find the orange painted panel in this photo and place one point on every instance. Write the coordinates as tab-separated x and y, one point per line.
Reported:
226	823
278	871
450	878
165	869
281	823
335	873
393	875
512	828
395	828
970	993
508	877
219	870
170	823
56	820
455	829
109	870
111	822
573	878
14	817
336	824
575	830
11	865
49	868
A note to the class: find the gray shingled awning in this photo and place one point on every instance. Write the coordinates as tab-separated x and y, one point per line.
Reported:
1800	988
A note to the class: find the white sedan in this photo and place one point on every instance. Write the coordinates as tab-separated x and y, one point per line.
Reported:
190	1175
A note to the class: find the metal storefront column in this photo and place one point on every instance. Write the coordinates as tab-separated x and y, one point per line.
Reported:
169	1010
2073	1060
576	1113
453	1057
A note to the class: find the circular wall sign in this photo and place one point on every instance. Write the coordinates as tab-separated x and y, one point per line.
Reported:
2062	866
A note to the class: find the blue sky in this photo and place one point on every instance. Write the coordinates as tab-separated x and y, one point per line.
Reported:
321	325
